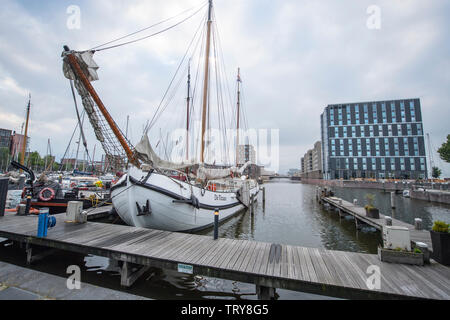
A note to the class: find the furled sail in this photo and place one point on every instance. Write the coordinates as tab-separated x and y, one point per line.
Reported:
87	64
204	173
147	155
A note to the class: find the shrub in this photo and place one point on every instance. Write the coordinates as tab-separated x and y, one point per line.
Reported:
370	197
441	226
417	250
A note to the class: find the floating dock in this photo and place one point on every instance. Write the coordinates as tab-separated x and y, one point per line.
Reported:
268	266
359	213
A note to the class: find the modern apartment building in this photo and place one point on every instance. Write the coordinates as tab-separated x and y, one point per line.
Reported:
378	139
311	163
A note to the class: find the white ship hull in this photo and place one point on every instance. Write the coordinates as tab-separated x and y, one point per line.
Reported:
155	201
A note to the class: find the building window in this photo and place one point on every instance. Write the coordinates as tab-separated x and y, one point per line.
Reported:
413	111
393	113
419	129
412	164
402	164
357	114
406	146
383	111
422	164
392	163
409	129
383	164
374	112
386	146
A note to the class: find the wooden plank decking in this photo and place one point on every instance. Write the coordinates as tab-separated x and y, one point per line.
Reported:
360	213
333	273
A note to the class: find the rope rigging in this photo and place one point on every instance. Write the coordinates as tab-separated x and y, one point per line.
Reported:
148	36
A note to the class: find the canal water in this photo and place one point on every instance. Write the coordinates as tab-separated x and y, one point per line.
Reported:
291	216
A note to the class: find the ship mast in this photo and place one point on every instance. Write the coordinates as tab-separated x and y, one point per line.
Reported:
188	101
238	114
24	145
206	82
87	84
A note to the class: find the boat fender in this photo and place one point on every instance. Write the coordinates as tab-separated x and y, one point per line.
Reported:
46	194
195	202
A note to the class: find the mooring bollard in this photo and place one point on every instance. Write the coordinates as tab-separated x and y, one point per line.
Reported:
216	224
45	222
28	206
388	220
3	194
418	224
264	194
424	248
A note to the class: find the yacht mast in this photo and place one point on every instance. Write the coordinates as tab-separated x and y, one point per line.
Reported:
238	114
188	100
24	145
206	82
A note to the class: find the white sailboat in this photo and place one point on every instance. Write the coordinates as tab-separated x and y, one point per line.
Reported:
148	195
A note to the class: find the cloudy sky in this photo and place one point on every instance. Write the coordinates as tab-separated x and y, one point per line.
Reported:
296	58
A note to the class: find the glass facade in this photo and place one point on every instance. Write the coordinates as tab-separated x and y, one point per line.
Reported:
373	140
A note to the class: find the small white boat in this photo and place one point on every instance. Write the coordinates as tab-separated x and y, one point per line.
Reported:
406	193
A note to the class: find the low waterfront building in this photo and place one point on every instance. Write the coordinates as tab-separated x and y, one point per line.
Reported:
16	144
378	139
311	163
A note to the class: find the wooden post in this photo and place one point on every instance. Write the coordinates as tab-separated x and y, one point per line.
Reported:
265	293
128	277
393	200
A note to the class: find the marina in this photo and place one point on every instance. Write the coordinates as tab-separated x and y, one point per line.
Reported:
308	176
266	265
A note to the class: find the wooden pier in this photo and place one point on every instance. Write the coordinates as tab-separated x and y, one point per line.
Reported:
268	266
359	213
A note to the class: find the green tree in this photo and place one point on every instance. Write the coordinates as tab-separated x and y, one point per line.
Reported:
4	158
436	172
34	160
444	150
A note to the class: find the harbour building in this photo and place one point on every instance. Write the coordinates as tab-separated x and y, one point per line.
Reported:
311	163
378	139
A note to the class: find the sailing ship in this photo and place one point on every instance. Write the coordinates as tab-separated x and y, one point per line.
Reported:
158	193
